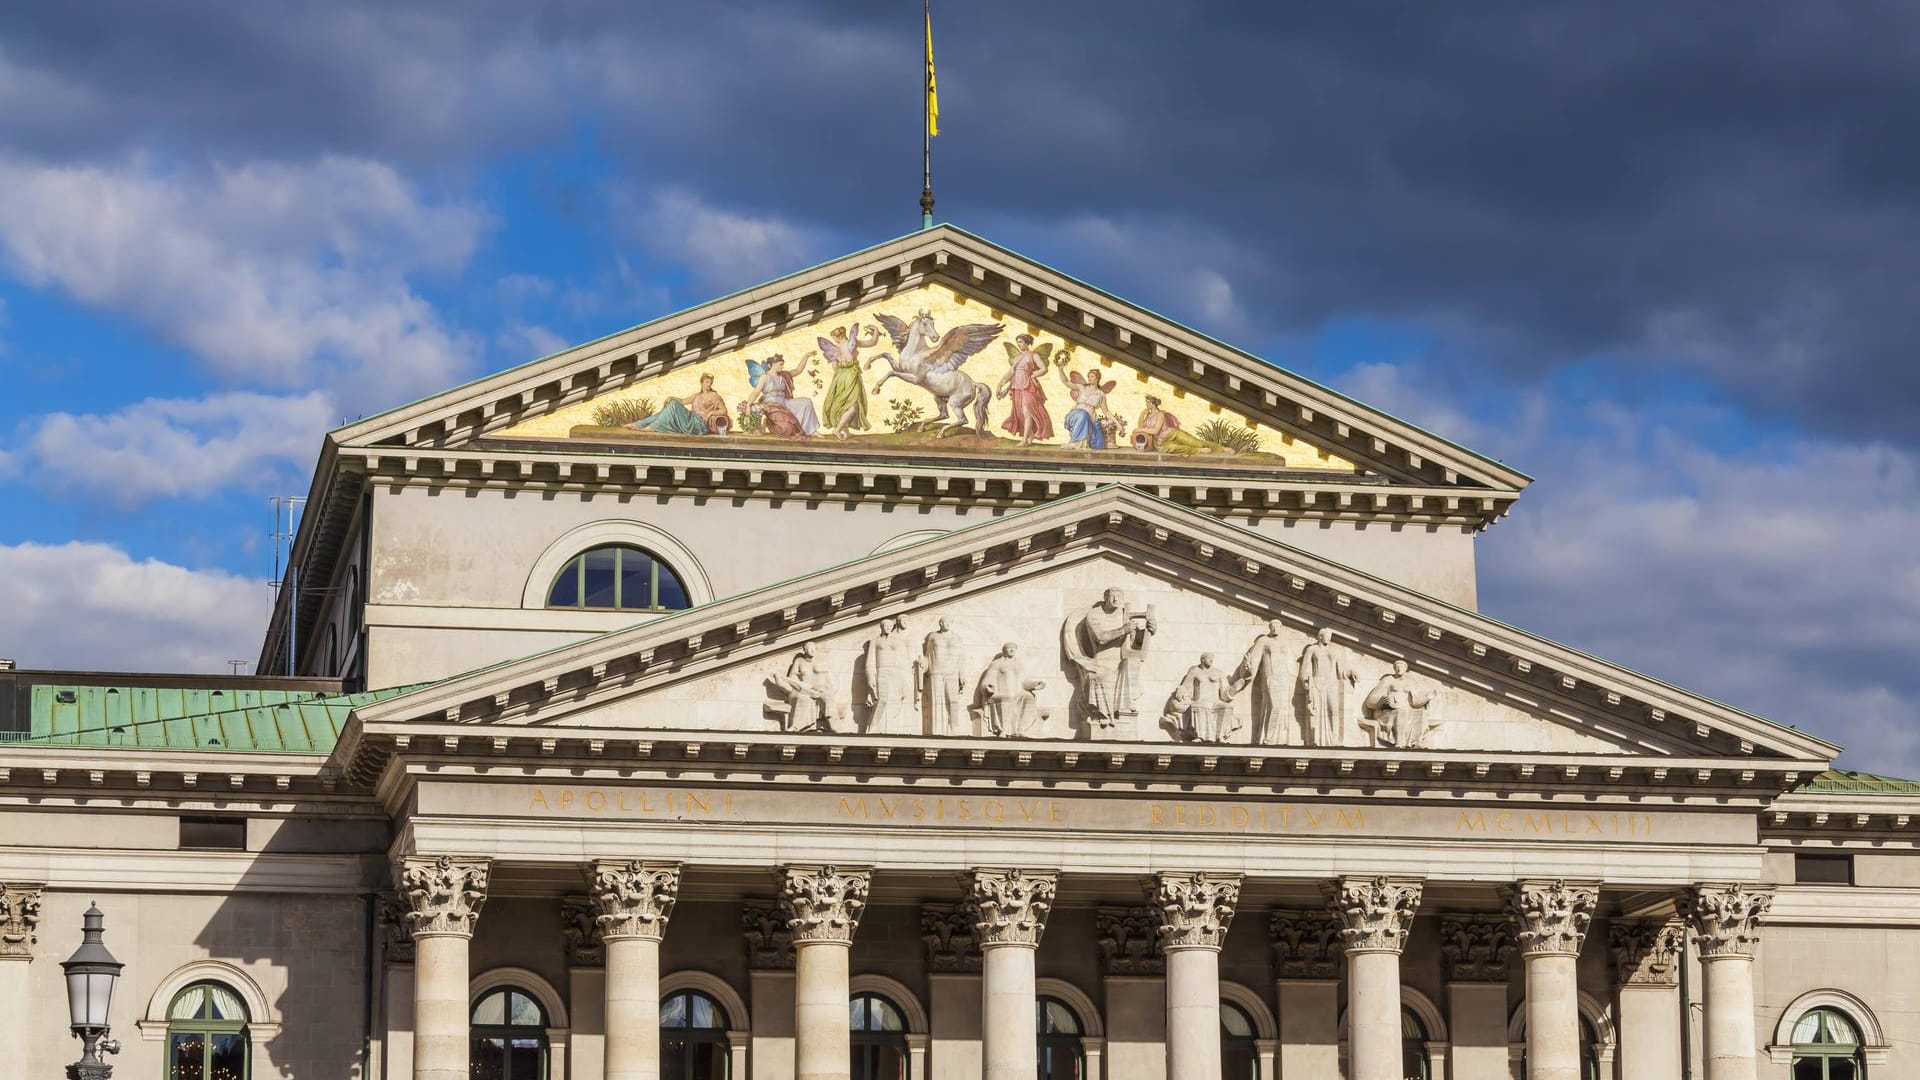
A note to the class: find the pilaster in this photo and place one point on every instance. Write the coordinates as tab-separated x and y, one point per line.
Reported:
1477	952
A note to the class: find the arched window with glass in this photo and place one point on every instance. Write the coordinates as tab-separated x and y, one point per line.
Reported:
1239	1053
1826	1046
693	1038
1413	1047
207	1034
1062	1054
879	1039
618	577
508	1036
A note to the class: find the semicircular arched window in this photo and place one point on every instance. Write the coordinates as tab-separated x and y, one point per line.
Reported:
879	1039
1414	1064
1826	1046
509	1036
618	577
207	1034
1062	1054
693	1037
1239	1051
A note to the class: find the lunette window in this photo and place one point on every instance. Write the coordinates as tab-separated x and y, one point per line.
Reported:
509	1036
618	577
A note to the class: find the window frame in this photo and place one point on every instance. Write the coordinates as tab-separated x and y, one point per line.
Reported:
476	1032
692	1036
1249	1042
1854	1053
207	1027
873	1040
1045	1040
659	569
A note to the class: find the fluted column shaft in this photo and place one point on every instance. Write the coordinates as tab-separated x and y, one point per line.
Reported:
1550	923
1646	959
443	896
1195	911
1009	909
1375	915
1725	920
632	902
823	905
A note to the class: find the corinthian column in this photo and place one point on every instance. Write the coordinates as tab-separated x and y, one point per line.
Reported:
1009	911
443	897
822	905
1550	922
1646	968
632	902
1195	910
1375	914
19	933
1726	926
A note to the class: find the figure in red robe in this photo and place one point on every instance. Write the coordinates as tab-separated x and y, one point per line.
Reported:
1022	386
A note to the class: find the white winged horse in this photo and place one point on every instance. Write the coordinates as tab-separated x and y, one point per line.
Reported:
932	363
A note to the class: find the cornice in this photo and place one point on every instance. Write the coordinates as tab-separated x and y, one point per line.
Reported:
1262	573
977	268
773	477
276	782
1837	817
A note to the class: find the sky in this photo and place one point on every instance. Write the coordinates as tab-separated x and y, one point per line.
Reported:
1660	256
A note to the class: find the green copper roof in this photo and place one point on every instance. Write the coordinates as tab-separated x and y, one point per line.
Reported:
1842	782
144	717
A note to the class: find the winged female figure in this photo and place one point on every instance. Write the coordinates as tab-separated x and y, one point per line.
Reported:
931	361
1087	421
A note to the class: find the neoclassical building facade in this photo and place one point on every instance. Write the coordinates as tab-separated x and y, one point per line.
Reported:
927	666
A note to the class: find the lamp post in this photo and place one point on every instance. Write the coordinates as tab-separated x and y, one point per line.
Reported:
91	973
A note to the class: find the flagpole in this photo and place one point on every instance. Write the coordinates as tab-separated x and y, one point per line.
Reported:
926	122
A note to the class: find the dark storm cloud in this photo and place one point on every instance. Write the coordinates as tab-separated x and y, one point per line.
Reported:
1727	187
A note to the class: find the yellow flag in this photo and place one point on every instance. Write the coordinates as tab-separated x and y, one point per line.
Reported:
933	87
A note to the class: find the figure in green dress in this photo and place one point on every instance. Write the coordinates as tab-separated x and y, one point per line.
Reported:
846	403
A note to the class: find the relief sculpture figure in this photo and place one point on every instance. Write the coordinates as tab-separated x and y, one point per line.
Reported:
1201	709
1325	676
1106	647
1396	709
806	699
1267	670
945	686
1012	709
890	670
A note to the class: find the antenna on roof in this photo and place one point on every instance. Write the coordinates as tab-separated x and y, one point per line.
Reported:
286	576
239	666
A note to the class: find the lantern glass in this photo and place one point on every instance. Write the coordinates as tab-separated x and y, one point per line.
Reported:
91	972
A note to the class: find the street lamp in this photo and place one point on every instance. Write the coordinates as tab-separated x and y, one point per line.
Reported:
91	973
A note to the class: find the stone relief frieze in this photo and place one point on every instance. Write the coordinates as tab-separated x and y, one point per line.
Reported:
1080	652
1128	938
1107	645
952	946
1306	944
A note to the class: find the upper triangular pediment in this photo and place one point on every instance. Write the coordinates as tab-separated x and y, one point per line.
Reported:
1218	396
1472	686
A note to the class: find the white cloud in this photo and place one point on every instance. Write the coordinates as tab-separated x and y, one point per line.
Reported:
273	273
165	447
1777	574
91	606
526	341
723	249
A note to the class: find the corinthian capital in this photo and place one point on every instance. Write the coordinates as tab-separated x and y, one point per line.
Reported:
952	944
1128	940
1550	917
1009	907
822	903
1646	952
1476	948
19	920
1375	913
1195	909
1306	944
443	894
1726	918
634	899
